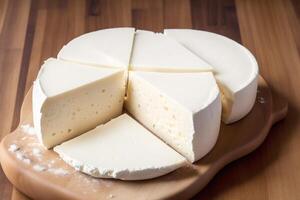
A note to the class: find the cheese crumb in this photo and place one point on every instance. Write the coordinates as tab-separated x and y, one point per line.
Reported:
36	152
261	100
28	129
58	171
23	158
26	161
13	148
39	168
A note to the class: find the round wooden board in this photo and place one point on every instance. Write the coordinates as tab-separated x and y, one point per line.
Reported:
41	174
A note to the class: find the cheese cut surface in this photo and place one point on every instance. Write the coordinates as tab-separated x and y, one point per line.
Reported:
183	109
121	149
107	47
157	52
235	68
69	99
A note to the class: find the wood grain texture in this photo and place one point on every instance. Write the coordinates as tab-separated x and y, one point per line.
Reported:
12	39
31	31
216	16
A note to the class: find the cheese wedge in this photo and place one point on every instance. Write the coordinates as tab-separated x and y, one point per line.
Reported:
107	47
235	68
157	52
121	149
70	99
183	109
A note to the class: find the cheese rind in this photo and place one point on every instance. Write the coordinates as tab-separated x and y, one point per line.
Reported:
235	68
183	109
105	48
121	149
157	52
70	99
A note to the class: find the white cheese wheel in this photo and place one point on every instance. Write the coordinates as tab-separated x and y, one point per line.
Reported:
171	90
121	149
70	99
106	48
157	52
183	109
235	68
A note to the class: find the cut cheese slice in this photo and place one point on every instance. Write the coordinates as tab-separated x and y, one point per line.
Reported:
121	149
107	47
183	109
235	68
69	99
157	52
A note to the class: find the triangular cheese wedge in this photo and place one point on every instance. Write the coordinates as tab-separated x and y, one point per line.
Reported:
157	52
121	149
69	99
183	109
235	68
106	48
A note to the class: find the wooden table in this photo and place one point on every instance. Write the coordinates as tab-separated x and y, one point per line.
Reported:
33	30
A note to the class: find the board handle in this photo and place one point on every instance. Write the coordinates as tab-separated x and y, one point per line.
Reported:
279	107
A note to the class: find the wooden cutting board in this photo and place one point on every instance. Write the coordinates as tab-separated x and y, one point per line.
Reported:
41	174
